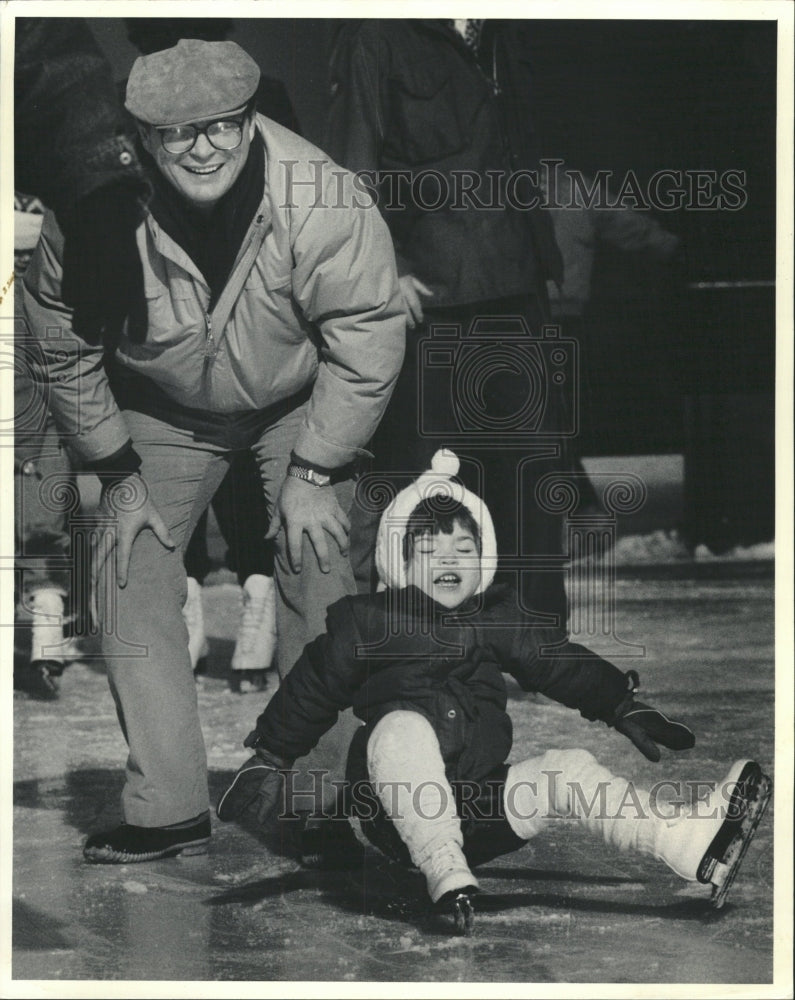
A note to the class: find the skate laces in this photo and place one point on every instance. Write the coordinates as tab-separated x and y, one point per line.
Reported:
251	621
447	858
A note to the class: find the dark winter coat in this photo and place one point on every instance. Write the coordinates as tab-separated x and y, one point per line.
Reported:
71	134
401	650
411	101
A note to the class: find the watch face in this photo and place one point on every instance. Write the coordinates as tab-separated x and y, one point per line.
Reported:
319	478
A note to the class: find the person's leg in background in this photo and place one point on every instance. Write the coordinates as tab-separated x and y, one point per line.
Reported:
242	518
197	566
45	494
242	515
525	400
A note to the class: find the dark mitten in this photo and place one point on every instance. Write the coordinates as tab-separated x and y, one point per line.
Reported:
255	789
647	727
102	274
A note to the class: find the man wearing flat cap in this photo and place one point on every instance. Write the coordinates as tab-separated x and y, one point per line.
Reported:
272	322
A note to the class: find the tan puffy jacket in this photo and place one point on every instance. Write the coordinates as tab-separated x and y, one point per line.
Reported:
313	299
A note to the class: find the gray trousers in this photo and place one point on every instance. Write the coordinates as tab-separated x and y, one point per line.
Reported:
185	455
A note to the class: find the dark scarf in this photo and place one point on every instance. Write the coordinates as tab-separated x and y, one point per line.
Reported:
212	241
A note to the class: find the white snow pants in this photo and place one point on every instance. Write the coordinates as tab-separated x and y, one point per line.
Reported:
407	772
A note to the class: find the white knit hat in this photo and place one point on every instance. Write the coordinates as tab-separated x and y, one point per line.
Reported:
437	481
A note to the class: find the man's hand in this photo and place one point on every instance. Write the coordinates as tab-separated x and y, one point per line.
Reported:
127	501
303	507
411	288
255	789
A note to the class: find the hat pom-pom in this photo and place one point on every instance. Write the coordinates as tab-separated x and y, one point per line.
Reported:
445	462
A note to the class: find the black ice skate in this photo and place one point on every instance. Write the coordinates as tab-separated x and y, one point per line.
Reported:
747	805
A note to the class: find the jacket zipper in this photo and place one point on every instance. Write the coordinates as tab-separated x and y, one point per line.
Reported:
252	249
210	346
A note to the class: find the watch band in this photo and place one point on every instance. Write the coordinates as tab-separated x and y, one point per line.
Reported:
308	475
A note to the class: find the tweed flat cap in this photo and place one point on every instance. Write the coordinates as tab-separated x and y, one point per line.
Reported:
194	80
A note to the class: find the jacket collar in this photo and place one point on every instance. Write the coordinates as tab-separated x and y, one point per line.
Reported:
416	602
444	29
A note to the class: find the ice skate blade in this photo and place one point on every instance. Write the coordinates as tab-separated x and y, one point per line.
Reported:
726	873
463	913
747	807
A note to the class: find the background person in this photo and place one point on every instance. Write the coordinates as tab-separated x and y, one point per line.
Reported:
43	602
443	100
74	154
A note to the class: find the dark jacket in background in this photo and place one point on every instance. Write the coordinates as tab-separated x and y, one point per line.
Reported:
409	96
71	134
401	650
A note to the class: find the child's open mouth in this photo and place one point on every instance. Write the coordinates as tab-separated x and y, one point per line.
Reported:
447	580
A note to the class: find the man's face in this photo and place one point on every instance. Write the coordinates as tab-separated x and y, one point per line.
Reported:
204	174
445	567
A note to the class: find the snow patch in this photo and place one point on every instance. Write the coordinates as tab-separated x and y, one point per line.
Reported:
763	551
138	888
668	547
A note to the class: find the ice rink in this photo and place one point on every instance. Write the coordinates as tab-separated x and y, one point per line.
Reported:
563	909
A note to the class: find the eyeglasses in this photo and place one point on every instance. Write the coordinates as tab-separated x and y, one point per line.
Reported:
224	133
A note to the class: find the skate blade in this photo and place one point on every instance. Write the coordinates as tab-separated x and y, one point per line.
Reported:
464	914
725	855
726	873
738	810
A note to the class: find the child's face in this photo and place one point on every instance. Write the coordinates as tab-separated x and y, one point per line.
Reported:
445	567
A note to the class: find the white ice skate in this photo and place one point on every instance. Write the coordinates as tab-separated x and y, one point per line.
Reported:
256	638
451	884
708	842
193	613
47	613
38	672
446	870
727	850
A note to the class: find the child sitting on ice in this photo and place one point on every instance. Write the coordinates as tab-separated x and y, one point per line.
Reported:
421	664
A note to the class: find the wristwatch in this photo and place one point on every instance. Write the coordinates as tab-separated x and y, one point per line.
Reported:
308	475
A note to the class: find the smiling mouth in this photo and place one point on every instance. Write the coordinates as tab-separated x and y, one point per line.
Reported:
447	580
203	171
